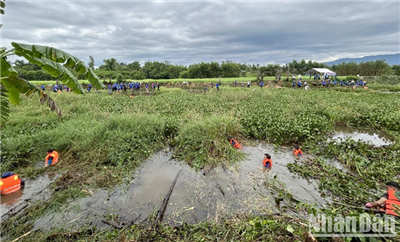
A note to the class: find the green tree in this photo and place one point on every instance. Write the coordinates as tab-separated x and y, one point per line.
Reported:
91	62
51	60
109	64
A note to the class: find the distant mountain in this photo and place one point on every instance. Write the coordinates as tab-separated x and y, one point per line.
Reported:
393	59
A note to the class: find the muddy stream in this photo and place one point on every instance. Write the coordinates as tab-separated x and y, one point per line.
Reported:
36	189
222	192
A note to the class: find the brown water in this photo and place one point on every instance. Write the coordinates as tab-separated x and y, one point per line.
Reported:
34	190
222	192
363	135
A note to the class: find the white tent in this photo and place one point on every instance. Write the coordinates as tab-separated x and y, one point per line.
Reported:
323	71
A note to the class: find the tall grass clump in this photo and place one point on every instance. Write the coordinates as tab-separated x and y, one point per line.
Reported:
205	142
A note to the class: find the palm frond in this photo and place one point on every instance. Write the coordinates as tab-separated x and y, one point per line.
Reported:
5	105
38	53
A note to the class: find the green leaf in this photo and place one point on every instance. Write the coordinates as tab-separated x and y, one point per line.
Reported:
2	5
397	194
290	229
38	52
5	106
13	93
6	68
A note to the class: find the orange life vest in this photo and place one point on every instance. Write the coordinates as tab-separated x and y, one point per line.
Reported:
392	199
54	154
10	184
265	161
235	144
297	152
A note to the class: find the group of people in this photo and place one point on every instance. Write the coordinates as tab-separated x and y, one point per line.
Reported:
57	88
389	203
267	161
123	86
11	183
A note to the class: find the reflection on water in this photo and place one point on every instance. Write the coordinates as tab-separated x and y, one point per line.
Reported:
239	189
363	135
34	190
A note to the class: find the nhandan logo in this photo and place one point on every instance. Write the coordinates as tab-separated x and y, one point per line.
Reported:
363	225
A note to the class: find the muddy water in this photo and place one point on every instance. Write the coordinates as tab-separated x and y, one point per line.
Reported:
221	192
34	190
363	135
303	190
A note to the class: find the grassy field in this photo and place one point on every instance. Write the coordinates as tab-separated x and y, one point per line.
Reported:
103	138
205	80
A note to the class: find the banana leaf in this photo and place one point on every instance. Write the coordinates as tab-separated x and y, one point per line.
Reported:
2	6
5	106
37	52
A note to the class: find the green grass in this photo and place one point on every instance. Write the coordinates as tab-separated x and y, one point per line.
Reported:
103	138
194	80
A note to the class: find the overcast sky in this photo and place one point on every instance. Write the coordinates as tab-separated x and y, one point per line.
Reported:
195	31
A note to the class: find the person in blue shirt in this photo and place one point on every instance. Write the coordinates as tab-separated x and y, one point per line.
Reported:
293	83
323	83
235	83
109	88
217	86
55	88
261	84
299	83
42	87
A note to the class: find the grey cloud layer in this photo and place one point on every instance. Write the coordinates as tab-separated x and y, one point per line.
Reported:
184	33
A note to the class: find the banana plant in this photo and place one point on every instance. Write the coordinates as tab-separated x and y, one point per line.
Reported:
53	61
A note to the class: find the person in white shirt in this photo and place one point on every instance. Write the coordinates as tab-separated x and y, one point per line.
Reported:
307	88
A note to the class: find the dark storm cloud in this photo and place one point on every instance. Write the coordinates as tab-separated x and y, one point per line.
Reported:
189	32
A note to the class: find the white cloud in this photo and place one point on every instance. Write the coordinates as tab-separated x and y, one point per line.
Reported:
184	32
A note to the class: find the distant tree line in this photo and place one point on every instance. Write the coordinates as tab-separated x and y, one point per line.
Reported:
112	69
